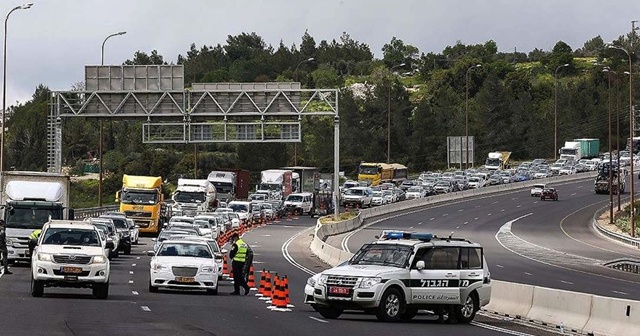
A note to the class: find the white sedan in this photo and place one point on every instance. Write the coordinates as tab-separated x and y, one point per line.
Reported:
182	264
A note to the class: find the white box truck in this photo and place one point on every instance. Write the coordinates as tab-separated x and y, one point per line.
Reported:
29	200
193	197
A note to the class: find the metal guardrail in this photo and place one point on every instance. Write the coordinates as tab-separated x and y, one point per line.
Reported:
93	212
613	235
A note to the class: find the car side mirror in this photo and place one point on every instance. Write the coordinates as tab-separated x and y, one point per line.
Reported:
224	251
420	265
151	253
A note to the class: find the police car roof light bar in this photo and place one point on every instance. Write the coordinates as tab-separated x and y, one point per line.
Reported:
408	235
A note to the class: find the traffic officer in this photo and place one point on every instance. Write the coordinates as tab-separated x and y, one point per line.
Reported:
240	253
33	240
3	247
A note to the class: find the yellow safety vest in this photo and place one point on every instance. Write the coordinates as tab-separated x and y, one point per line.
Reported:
241	254
35	234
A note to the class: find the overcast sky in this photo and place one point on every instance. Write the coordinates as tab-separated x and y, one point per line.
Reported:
51	42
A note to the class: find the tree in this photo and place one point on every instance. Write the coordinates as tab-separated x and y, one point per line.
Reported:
141	58
396	52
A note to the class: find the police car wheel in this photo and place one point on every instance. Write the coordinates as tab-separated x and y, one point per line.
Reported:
391	305
329	312
466	312
37	288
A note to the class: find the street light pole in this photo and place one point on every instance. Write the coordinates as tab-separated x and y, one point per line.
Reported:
608	71
466	114
4	83
389	114
295	74
100	145
555	112
632	210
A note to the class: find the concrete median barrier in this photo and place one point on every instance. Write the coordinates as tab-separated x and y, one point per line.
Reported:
510	299
560	308
611	317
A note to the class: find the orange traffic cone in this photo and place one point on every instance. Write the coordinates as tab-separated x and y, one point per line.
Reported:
275	293
225	266
252	281
286	293
273	288
263	276
288	216
266	295
277	220
279	301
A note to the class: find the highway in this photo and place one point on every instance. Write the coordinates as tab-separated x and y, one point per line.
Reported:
548	244
132	310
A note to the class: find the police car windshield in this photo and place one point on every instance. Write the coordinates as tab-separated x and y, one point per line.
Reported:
67	236
382	254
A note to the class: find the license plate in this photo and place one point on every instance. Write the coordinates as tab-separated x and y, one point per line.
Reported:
339	290
185	279
71	270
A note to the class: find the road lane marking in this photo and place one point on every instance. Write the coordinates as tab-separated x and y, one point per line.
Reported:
287	256
461	210
575	194
500	266
457	227
527	273
318	319
514	198
443	215
475	218
465	223
501	210
536	202
621	293
266	235
488	214
496	202
145	308
130	272
431	218
130	281
419	223
134	293
411	227
138	258
499	329
133	265
519	205
566	282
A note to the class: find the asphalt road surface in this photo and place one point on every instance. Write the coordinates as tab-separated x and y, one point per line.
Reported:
132	310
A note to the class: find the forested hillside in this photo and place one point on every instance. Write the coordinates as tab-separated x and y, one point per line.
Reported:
509	98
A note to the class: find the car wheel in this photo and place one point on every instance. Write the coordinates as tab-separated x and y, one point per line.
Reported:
409	314
37	288
556	198
391	304
466	312
152	289
330	313
101	291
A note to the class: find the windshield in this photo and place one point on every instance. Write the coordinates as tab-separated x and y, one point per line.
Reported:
358	192
120	223
239	207
377	194
379	254
568	151
31	217
348	185
270	186
492	162
368	170
414	190
294	198
185	250
222	187
67	236
189	197
139	197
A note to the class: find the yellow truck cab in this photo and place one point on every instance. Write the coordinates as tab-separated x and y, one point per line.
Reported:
141	199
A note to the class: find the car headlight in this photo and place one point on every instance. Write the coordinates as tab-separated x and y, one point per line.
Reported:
99	260
322	280
369	282
207	269
44	257
158	267
311	282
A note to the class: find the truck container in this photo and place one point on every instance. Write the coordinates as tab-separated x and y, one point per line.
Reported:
230	184
29	200
277	183
589	147
571	150
497	160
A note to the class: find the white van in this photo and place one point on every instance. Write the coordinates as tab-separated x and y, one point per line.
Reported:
242	208
299	203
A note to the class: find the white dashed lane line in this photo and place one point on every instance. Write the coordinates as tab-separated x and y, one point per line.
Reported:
318	319
496	202
419	223
475	218
134	292
621	293
519	206
130	272
133	265
445	215
501	210
576	194
527	273
499	266
566	282
431	218
461	210
138	258
488	214
130	281
145	308
465	223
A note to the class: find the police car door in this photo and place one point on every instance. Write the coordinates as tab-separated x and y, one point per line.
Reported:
471	268
439	281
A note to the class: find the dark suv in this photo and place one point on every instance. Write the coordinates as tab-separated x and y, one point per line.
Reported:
549	193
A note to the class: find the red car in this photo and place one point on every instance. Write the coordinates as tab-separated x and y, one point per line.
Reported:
549	193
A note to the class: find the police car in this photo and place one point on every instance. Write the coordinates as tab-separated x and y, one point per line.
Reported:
402	273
